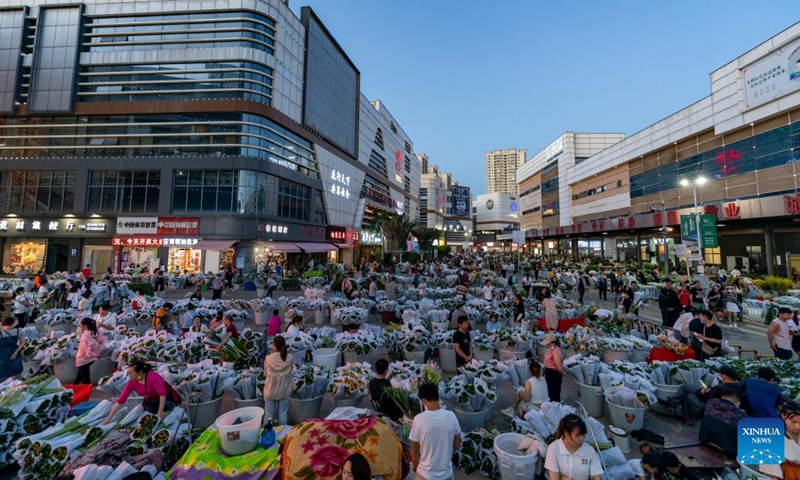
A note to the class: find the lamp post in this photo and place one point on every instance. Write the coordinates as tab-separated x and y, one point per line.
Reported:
697	182
664	236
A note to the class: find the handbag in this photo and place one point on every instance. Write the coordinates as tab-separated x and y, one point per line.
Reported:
706	348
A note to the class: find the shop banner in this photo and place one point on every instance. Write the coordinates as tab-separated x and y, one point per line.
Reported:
137	225
44	227
461	202
774	76
158	226
708	229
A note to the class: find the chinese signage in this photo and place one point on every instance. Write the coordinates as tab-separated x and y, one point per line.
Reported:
371	238
153	242
708	229
554	149
337	234
341	184
384	200
158	226
315	232
272	228
45	227
461	202
791	204
283	163
773	76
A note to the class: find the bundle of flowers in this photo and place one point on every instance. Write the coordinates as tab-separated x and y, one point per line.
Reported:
263	305
360	342
202	382
543	423
408	311
630	398
35	348
161	347
615	344
296	303
471	395
638	343
298	342
351	315
477	453
246	384
504	310
235	350
362	303
65	348
317	305
480	342
689	373
449	303
492	371
386	306
585	369
405	375
56	317
409	337
475	315
336	303
505	338
310	381
632	375
437	316
438	290
350	381
444	339
29	407
668	342
315	282
581	339
323	336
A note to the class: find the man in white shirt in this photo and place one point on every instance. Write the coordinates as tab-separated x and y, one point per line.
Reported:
391	289
487	291
681	326
434	436
105	318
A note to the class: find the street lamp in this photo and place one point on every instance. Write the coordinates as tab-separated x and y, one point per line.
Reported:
697	182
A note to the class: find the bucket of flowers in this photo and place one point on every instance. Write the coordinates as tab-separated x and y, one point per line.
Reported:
246	387
355	346
482	347
511	342
202	386
350	316
298	344
348	384
615	349
319	307
311	382
387	310
470	400
262	309
412	341
579	339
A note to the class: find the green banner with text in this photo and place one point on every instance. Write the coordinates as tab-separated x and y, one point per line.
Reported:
708	227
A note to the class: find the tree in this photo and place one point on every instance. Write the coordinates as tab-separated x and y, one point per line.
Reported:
395	230
425	237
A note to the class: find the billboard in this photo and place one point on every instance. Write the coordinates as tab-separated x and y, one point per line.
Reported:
773	76
461	202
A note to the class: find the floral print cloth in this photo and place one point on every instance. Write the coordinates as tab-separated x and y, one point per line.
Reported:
317	449
205	460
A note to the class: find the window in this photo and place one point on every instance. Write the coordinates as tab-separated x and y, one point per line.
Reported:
408	148
124	191
712	256
379	139
41	191
619	183
580	160
377	164
408	165
407	185
292	200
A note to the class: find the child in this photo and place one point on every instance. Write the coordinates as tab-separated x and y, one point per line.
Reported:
532	395
274	324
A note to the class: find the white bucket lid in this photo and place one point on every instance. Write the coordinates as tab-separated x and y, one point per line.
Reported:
618	431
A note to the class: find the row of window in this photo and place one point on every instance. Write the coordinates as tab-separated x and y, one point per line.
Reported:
530	190
377	163
532	210
550	186
37	192
769	149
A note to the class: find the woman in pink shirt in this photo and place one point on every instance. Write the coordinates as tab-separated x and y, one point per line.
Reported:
158	395
89	349
553	367
274	324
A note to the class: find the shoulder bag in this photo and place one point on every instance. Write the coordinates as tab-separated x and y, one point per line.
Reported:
707	348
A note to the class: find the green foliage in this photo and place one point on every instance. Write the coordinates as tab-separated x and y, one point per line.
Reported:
411	257
771	313
146	288
313	274
593	266
336	286
772	283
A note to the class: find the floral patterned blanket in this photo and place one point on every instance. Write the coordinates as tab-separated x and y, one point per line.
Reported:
317	449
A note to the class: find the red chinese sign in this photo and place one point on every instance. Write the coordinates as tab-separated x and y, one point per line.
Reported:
727	162
136	242
732	211
791	203
337	234
178	226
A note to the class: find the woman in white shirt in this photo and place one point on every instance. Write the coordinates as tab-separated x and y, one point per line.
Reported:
85	304
22	306
569	457
532	395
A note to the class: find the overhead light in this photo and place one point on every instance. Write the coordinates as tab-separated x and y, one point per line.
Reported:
701	180
69	215
12	214
94	215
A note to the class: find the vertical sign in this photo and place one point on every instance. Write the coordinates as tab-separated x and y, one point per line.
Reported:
708	229
461	202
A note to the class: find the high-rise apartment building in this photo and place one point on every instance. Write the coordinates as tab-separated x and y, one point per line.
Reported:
423	159
501	170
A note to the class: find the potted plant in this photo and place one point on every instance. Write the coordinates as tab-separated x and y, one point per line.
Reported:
319	307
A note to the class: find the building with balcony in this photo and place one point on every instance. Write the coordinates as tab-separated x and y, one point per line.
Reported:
501	170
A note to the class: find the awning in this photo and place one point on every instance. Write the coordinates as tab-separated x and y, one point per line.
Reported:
214	245
310	247
280	247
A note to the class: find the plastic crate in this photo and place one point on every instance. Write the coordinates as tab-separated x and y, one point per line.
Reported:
81	393
661	354
83	407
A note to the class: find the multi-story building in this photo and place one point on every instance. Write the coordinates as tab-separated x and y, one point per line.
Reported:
188	135
738	151
545	199
501	170
423	158
445	205
496	215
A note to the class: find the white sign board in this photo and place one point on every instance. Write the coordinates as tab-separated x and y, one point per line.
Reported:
680	249
518	237
554	149
695	257
773	76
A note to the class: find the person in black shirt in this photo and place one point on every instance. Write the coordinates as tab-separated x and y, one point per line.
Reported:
697	296
710	336
628	297
462	342
377	387
602	288
673	304
519	309
675	469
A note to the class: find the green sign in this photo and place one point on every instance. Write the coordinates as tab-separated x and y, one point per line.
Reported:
708	227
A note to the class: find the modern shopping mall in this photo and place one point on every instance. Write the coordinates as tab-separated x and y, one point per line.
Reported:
735	151
190	135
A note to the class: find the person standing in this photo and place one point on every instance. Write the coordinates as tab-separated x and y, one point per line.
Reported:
11	344
272	285
550	310
628	296
697	296
554	372
602	288
89	349
519	309
581	289
780	340
391	289
569	456
87	271
462	342
794	331
216	287
434	436
672	303
711	337
526	284
22	304
278	384
347	288
372	293
487	291
715	304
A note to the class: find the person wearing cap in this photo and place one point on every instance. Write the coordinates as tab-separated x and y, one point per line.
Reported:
554	371
780	340
728	381
763	396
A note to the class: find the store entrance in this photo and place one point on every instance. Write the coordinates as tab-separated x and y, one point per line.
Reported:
99	259
57	258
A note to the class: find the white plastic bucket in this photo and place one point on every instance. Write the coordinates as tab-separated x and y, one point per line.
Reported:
610	356
483	355
243	437
470	420
621	439
628	419
65	371
416	356
514	466
503	355
262	318
326	357
639	356
592	399
664	392
447	359
319	317
202	415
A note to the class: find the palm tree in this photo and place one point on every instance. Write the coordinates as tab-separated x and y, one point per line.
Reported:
395	230
425	237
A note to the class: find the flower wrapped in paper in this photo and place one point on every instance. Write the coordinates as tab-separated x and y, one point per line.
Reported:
360	342
351	315
351	381
310	381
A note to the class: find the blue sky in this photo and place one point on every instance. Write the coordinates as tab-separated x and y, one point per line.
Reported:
463	77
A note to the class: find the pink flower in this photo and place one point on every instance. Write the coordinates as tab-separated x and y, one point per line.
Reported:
328	461
350	428
308	446
314	432
322	441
